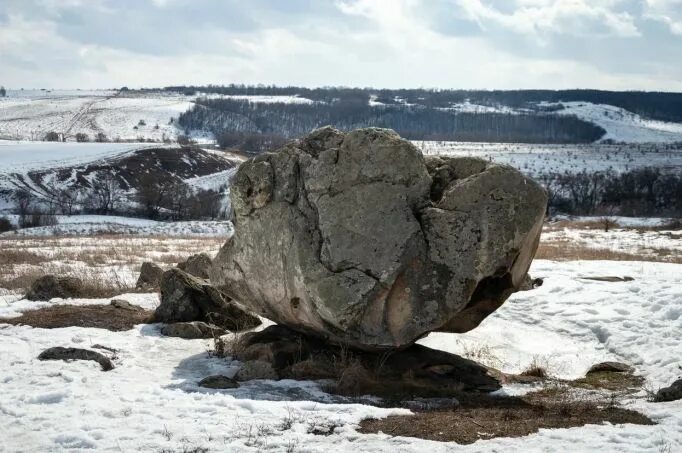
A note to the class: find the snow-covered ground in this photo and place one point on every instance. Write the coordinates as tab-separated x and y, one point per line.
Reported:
30	114
151	401
98	224
23	156
538	160
622	125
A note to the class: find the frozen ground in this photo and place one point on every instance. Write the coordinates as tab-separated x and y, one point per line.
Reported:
79	225
538	160
622	125
30	114
151	401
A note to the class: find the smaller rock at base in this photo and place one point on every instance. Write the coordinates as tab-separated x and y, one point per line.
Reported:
150	276
613	367
672	393
49	287
218	382
60	353
192	330
256	369
197	265
125	305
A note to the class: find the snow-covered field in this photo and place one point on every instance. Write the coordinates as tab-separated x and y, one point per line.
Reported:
537	160
151	401
30	114
622	125
80	225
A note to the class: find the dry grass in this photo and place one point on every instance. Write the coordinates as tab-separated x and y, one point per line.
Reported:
564	251
107	264
485	417
93	316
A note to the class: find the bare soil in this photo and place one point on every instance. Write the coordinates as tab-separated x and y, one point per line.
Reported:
95	316
485	417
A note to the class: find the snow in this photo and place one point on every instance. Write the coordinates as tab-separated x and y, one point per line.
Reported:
151	401
622	125
78	225
18	156
538	160
262	99
30	114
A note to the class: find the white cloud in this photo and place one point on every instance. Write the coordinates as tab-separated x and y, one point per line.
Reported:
668	12
383	43
570	17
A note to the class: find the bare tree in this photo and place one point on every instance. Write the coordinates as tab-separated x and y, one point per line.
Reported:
153	195
24	200
105	195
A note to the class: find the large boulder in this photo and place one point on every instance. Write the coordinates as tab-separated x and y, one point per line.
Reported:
185	298
197	265
359	238
49	287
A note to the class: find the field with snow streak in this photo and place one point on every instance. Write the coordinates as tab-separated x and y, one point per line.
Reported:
151	401
30	114
539	160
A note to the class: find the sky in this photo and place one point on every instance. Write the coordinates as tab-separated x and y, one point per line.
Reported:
470	44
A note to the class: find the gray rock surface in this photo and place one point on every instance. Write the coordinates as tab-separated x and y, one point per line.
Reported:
49	287
256	369
359	238
671	393
192	330
125	305
150	276
611	367
198	265
185	298
218	382
60	353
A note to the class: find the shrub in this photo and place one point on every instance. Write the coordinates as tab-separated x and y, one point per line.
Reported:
82	138
5	225
52	136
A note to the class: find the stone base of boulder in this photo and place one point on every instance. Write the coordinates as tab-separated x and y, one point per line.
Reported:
416	371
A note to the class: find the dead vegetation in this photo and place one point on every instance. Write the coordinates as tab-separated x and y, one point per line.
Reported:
93	316
565	251
481	417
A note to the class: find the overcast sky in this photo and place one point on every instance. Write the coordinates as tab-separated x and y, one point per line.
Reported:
609	44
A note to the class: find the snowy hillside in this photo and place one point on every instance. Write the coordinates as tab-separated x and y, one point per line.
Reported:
30	114
538	160
624	126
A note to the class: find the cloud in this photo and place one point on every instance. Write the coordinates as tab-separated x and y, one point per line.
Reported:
616	44
668	12
540	17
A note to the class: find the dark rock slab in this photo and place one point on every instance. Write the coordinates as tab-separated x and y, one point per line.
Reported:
61	353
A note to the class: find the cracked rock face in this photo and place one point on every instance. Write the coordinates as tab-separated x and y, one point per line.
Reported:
359	238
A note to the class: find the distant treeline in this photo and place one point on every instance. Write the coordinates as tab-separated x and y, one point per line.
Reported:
655	105
225	117
643	192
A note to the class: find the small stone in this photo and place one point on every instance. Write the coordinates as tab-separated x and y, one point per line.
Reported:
125	305
256	369
197	265
218	382
49	287
150	276
671	393
60	353
614	367
192	330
